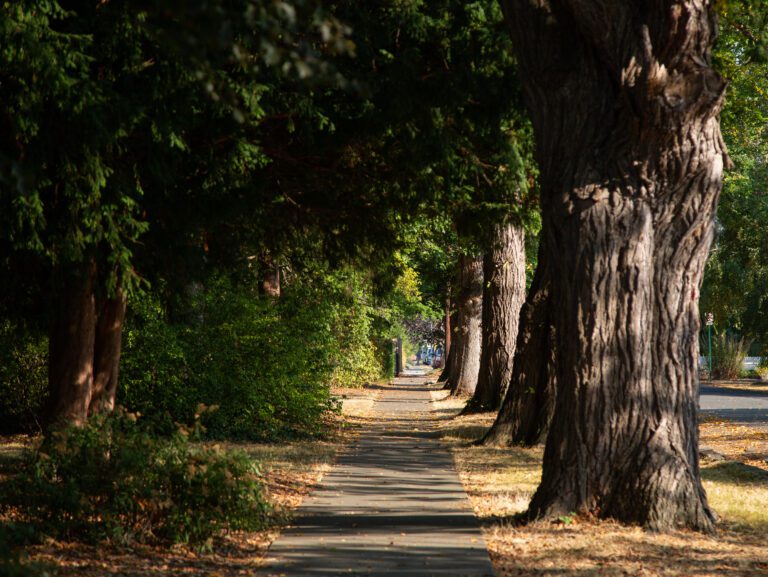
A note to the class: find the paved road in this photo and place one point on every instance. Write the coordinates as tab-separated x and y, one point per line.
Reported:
745	407
392	506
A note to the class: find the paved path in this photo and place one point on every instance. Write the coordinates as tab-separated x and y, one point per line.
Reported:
743	407
393	505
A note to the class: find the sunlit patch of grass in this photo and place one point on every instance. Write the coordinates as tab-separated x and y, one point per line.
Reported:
739	495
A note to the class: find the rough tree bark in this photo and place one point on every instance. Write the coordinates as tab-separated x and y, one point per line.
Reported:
70	345
526	411
445	375
106	355
624	104
466	344
503	295
447	327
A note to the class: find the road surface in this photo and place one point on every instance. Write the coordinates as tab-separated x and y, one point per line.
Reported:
743	407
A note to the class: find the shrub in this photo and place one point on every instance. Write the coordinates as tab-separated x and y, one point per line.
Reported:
762	368
268	364
114	480
353	354
23	377
728	354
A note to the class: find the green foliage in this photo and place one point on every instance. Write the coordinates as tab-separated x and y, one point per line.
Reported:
23	377
265	365
353	356
114	479
762	368
191	139
737	273
137	97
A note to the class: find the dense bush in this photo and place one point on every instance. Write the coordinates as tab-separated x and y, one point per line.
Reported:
762	368
23	377
116	480
267	364
728	354
355	357
232	350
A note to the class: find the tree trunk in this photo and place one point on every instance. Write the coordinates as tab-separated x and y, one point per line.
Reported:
447	327
71	345
445	375
526	412
109	334
399	361
466	345
503	295
625	106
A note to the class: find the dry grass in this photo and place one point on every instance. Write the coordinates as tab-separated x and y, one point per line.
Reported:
290	471
752	385
742	443
500	483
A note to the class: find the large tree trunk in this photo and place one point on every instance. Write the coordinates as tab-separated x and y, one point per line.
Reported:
624	105
109	332
70	346
526	412
467	340
503	295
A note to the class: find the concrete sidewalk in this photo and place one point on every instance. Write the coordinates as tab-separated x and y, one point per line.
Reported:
393	505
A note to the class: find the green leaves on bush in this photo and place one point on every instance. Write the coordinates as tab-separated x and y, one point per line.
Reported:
23	377
267	365
114	480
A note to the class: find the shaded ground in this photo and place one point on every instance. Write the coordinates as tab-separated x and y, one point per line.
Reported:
500	483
